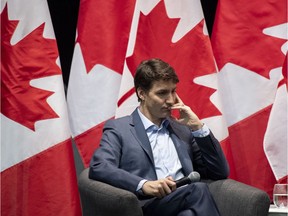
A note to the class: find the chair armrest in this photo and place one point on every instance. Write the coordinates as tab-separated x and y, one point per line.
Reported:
238	199
98	198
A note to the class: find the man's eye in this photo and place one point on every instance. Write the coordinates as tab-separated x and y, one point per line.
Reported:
162	93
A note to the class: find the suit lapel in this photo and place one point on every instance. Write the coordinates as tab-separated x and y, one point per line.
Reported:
140	134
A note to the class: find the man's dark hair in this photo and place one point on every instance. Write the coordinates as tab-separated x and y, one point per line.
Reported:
153	70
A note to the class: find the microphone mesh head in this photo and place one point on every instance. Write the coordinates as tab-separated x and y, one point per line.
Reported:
194	176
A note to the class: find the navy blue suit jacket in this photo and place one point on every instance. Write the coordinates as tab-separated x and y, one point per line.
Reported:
125	157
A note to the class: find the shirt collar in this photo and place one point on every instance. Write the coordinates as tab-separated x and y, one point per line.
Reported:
148	124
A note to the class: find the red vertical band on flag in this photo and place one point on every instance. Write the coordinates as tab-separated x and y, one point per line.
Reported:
42	185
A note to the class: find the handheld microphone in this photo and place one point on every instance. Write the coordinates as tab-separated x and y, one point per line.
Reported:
191	178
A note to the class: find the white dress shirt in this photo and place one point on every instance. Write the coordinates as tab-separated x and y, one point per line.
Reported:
165	156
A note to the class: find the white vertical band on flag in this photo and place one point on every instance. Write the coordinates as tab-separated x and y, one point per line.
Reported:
100	89
131	102
275	139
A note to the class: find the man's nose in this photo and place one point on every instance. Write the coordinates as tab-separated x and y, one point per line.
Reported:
170	99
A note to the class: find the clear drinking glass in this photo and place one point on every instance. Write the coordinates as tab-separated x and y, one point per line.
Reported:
280	195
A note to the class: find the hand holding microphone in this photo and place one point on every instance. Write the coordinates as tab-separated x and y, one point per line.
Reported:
163	187
191	178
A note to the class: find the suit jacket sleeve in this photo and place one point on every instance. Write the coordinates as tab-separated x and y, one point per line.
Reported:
205	153
209	158
105	164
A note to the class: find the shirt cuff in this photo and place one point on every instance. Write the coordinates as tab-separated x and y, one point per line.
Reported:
140	185
202	132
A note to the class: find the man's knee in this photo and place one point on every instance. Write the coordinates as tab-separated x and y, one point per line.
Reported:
198	191
199	186
200	200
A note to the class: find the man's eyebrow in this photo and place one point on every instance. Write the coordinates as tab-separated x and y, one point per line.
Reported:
162	90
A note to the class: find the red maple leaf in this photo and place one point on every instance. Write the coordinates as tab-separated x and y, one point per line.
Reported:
31	58
238	34
191	56
103	32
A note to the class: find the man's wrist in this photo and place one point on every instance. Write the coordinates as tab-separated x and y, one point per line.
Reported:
202	132
140	185
197	127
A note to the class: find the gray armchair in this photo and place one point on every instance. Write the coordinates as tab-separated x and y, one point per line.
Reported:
233	199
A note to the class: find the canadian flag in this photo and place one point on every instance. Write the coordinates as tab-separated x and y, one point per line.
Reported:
113	38
99	54
250	44
176	33
37	167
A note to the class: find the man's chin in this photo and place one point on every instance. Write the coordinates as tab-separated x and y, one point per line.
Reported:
166	113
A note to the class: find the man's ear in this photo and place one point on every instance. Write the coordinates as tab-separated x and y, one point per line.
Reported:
141	93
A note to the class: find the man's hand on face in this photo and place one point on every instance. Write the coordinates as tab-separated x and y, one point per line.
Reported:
187	116
159	188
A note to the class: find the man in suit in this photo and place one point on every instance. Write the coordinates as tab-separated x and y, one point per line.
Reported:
147	151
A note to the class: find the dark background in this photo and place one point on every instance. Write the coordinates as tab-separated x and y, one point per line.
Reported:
64	14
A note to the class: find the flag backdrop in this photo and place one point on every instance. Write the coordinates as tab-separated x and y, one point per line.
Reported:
113	38
249	40
37	167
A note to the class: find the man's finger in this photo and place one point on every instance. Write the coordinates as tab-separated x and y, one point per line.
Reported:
178	99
